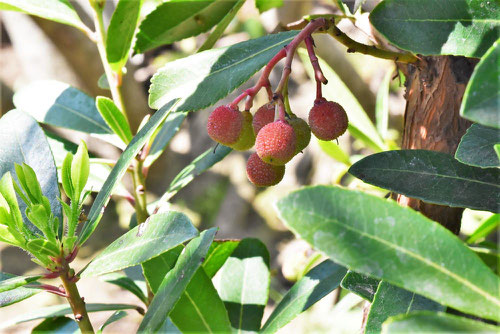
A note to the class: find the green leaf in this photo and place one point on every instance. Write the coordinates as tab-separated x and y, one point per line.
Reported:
382	104
482	97
203	79
199	165
121	31
431	322
316	284
15	295
353	5
43	246
10	283
102	82
434	177
57	325
243	284
178	19
126	283
391	300
114	117
26	143
380	238
156	268
363	286
476	147
80	169
176	281
61	310
200	308
445	27
55	10
58	104
487	226
166	132
219	252
497	150
335	152
113	318
265	5
360	125
221	26
120	168
158	234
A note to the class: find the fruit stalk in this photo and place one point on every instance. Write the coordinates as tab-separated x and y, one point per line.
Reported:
318	73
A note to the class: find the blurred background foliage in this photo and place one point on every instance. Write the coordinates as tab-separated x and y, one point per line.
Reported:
35	49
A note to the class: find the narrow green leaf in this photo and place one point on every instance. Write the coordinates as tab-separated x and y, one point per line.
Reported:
176	281
66	176
158	234
43	246
390	301
243	284
316	284
58	104
80	169
221	26
113	318
57	325
15	295
431	322
10	283
26	143
335	152
382	104
62	310
114	117
482	97
126	283
431	176
55	10
383	233
199	165
166	132
476	147
8	195
445	27
265	5
157	268
120	168
487	226
203	79
360	125
121	31
178	19
219	252
363	286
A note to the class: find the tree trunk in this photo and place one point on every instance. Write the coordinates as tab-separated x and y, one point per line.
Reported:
434	91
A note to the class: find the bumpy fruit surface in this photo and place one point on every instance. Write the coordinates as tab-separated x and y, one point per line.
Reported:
328	120
262	174
276	142
247	137
225	124
302	133
263	116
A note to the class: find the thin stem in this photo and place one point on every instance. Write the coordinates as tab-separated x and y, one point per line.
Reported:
286	100
318	73
140	192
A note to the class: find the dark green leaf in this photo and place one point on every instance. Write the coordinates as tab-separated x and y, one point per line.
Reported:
57	325
316	284
15	295
114	117
264	5
380	238
391	300
482	96
157	235
120	168
363	286
476	147
157	268
126	283
445	27
55	10
61	310
200	308
244	284
434	177
58	104
178	19
219	252
121	31
113	318
203	79
176	281
26	143
486	227
431	322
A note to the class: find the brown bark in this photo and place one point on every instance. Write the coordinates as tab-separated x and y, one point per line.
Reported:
434	91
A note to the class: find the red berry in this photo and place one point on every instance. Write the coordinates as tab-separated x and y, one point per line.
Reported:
328	120
302	133
262	174
247	137
225	124
263	116
275	143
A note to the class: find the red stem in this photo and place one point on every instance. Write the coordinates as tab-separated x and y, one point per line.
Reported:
318	74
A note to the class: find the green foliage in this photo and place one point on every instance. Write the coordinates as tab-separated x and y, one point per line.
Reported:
218	253
9	283
126	283
113	318
114	117
476	147
445	27
57	325
486	227
155	269
380	237
12	296
335	151
265	5
363	286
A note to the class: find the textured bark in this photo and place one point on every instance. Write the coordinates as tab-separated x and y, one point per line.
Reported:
434	91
